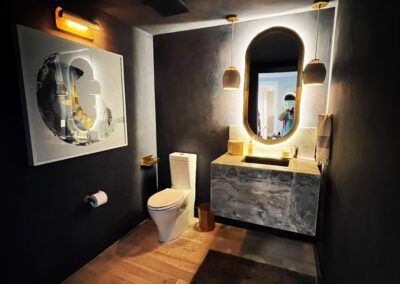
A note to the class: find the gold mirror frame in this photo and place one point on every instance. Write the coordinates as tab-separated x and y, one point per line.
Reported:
299	41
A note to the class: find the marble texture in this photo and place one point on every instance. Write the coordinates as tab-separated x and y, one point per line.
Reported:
295	165
304	137
271	197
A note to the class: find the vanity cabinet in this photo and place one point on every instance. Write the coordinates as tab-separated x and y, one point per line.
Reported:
284	198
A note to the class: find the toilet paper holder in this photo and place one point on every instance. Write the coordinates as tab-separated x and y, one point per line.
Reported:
87	198
96	199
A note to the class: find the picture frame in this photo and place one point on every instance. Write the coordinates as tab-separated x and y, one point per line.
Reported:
73	97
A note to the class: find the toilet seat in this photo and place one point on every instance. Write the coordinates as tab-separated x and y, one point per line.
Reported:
166	199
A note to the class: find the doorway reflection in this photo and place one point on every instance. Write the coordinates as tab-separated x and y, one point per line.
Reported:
276	102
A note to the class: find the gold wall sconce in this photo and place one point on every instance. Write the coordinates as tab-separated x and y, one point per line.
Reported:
75	24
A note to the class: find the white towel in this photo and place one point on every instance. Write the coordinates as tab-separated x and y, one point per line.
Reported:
324	131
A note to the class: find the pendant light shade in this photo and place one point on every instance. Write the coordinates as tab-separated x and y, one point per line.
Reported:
231	78
315	71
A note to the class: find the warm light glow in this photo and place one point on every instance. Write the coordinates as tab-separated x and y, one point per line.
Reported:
315	84
69	22
76	25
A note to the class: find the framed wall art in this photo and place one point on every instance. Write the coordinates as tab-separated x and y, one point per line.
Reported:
73	97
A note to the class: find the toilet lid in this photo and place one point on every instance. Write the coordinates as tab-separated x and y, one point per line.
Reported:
166	198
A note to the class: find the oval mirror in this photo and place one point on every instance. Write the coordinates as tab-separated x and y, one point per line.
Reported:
272	92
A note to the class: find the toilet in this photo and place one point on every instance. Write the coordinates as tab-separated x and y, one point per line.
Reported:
172	209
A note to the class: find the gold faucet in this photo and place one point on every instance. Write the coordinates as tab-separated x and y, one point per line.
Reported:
295	151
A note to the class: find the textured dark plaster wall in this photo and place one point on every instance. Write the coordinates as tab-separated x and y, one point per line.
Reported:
360	232
190	116
193	110
46	231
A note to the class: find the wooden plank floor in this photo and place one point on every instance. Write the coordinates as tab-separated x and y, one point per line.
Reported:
139	258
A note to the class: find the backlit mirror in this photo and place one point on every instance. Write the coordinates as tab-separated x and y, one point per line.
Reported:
272	93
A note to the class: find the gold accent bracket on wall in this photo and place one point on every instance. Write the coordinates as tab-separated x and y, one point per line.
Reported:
148	161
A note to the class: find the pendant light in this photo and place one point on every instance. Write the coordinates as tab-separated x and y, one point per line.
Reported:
231	78
315	71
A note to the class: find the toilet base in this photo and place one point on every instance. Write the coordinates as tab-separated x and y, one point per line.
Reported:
173	223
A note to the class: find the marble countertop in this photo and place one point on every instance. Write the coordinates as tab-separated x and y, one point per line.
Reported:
295	165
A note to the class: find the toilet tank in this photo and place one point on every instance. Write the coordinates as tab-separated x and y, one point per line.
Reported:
183	170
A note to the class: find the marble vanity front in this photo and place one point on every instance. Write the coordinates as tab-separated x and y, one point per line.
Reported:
284	198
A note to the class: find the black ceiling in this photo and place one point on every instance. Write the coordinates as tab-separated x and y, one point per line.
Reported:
167	8
203	13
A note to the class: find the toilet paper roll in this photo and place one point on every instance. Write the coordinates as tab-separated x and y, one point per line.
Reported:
98	199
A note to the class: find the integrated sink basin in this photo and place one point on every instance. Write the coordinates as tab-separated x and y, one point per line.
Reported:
267	161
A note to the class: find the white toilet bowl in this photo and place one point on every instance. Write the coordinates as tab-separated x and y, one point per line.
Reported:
171	217
172	209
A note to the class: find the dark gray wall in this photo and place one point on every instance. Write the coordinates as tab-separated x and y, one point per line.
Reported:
360	233
46	231
189	117
193	110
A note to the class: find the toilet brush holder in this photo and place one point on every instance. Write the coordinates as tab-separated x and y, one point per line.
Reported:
206	217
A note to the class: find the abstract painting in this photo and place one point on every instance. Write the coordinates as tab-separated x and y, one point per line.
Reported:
73	97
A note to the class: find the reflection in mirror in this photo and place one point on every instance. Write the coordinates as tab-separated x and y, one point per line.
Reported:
273	68
275	103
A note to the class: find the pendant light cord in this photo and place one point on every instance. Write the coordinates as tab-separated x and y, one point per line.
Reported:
316	41
233	30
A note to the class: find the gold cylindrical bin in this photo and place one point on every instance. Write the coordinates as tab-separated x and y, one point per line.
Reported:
206	217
